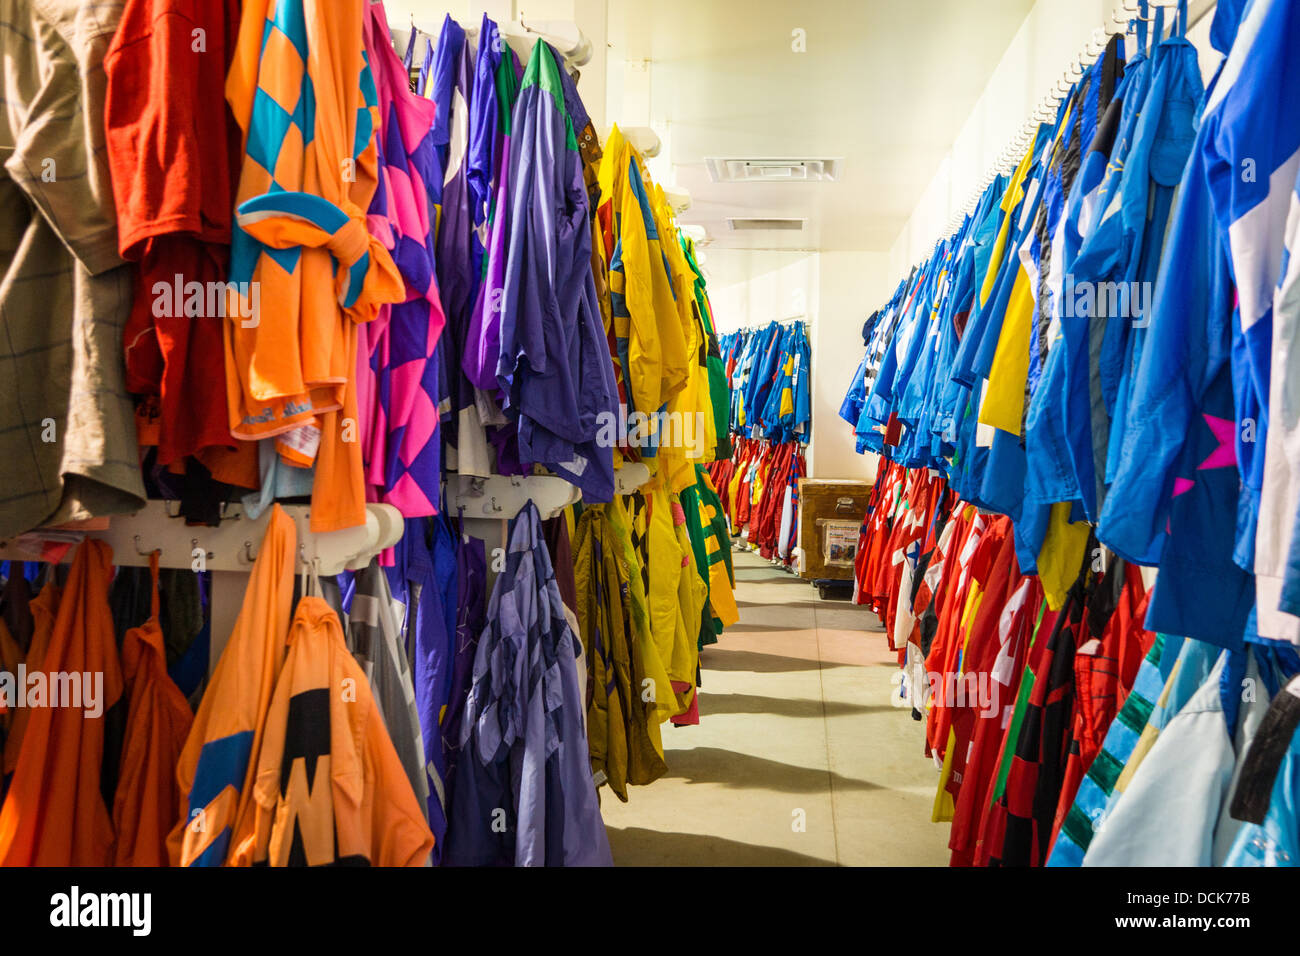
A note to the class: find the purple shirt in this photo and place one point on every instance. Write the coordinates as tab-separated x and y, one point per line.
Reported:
554	367
524	742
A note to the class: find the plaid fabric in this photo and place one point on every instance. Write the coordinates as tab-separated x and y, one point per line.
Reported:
67	428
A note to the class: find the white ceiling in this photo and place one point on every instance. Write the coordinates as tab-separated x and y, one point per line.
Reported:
884	85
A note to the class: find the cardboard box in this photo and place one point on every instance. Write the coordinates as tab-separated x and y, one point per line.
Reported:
829	510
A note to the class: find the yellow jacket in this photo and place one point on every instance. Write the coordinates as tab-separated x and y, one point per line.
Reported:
643	309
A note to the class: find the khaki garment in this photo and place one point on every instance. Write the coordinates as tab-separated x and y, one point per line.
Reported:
67	429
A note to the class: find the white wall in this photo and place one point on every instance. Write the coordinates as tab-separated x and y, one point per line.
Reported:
850	285
834	292
752	287
1052	35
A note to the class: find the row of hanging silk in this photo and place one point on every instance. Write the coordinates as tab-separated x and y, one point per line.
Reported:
771	420
465	180
417	668
637	375
525	384
463	278
767	369
130	775
1064	731
759	488
1058	403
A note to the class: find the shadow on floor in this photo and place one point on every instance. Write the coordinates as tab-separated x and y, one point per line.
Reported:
754	662
745	771
767	581
780	706
744	626
770	605
637	846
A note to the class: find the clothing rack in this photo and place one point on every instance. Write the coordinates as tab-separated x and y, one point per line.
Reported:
565	36
501	497
755	326
485	506
228	551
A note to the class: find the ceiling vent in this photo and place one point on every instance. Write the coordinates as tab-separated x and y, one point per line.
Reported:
724	170
753	225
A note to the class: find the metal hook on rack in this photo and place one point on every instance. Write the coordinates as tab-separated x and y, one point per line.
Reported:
493	507
142	553
1136	14
194	544
249	556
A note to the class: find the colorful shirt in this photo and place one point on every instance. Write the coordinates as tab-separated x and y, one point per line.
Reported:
403	446
554	366
309	173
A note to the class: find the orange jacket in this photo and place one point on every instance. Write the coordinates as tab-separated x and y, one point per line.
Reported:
44	607
330	787
147	802
54	814
216	768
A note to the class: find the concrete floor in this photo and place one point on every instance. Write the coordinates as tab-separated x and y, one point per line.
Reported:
799	759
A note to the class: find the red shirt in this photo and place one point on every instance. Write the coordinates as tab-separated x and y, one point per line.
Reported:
173	147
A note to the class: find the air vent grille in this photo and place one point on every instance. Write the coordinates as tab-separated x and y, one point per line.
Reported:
724	169
755	224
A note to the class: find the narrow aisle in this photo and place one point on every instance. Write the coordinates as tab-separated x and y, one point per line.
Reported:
798	760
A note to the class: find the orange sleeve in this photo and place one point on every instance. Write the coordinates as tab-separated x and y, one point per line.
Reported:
398	826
